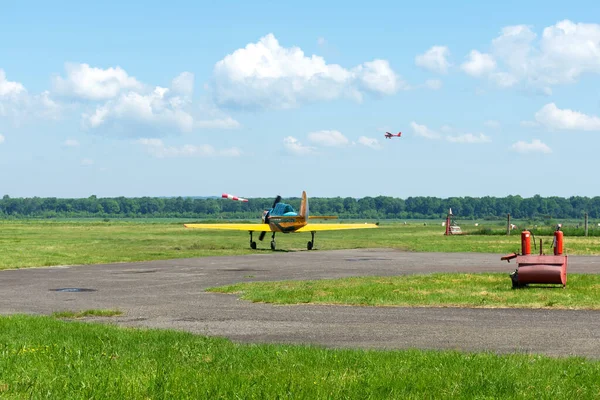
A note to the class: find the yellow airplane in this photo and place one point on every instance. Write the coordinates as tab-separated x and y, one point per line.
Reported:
282	218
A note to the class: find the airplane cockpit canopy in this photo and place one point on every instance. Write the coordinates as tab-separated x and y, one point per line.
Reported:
283	209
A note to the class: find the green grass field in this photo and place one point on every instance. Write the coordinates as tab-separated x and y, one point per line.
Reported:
485	290
41	357
46	243
44	357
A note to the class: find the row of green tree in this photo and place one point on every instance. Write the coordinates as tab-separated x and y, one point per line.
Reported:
380	207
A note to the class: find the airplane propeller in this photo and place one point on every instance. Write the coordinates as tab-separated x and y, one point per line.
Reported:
262	234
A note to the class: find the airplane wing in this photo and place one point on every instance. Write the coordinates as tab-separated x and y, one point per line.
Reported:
334	227
232	227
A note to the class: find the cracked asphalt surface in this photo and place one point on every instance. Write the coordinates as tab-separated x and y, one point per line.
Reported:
169	294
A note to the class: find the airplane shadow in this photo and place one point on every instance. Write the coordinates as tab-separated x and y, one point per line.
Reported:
282	250
273	251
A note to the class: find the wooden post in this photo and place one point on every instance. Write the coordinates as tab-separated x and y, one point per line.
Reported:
586	224
507	224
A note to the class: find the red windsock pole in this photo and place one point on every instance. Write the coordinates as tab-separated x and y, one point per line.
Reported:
231	197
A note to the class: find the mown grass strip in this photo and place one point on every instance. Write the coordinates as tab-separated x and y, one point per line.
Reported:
430	290
87	313
42	357
27	243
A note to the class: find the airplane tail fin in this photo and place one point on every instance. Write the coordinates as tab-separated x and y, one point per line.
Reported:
304	206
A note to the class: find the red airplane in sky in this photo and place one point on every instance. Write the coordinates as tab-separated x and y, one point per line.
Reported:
390	135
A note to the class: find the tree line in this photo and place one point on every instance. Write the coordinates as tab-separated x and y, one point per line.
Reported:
380	207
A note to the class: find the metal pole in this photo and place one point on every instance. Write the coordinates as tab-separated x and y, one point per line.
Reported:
507	224
586	224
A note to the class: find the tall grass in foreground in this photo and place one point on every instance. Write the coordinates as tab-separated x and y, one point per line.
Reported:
45	358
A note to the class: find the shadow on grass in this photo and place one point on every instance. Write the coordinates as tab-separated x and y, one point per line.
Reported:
538	286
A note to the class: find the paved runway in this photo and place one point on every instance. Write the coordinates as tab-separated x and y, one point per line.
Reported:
169	294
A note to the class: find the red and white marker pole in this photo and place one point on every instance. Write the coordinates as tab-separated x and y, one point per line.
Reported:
231	197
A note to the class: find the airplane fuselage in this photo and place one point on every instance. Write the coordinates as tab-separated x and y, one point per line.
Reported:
285	224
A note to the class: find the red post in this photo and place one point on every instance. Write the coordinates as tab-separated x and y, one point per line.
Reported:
558	243
525	243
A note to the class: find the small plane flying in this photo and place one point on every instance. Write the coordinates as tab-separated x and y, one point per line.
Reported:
283	218
390	135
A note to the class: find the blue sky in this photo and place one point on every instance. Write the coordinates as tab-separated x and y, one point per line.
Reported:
264	98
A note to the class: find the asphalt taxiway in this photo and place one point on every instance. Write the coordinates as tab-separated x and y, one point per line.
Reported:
170	294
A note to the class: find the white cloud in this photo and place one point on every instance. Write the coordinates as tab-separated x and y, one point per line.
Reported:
1	138
321	41
8	88
569	50
564	52
92	83
157	148
46	107
17	103
554	118
71	143
294	146
230	152
266	75
492	124
157	111
219	123
544	91
513	46
369	142
145	112
469	138
378	77
529	124
328	138
87	161
433	84
503	79
183	84
116	103
478	64
424	131
536	146
435	59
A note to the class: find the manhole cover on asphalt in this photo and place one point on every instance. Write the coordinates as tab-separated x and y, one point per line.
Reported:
72	289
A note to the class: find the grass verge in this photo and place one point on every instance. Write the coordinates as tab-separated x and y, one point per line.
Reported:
87	313
42	357
490	290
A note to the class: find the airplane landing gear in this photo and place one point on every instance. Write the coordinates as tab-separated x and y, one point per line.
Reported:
273	241
310	244
252	242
